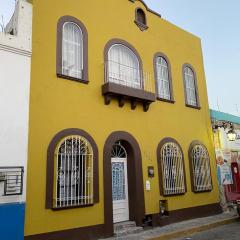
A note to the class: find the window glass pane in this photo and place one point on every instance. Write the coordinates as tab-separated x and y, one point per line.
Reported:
190	86
123	66
72	59
163	78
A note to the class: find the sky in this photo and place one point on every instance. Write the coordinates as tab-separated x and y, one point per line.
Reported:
217	23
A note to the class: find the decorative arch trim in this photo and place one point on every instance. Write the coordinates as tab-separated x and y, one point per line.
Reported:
60	24
50	163
159	160
135	179
196	86
190	157
160	54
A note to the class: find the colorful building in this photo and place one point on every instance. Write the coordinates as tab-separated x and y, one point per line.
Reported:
227	150
119	121
15	58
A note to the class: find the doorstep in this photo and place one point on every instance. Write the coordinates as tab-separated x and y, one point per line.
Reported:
182	229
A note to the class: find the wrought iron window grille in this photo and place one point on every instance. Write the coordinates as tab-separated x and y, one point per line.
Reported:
12	179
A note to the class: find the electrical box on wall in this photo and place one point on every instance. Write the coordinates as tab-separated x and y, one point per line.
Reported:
163	207
150	172
148	185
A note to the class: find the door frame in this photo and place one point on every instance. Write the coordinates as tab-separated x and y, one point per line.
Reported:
135	180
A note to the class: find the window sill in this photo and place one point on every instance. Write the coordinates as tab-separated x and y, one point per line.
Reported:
165	100
142	26
174	195
204	191
191	106
123	93
73	78
71	207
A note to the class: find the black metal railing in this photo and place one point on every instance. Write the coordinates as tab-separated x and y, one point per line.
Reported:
12	179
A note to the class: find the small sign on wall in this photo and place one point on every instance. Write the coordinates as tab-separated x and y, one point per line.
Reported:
148	185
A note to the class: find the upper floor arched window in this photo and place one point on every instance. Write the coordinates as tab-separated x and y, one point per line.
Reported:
141	16
190	84
123	66
163	78
141	19
72	49
72	58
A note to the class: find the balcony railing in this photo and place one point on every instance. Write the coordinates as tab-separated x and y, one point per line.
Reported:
127	82
12	179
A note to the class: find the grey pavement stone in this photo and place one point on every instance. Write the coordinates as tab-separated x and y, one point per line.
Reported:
158	231
227	232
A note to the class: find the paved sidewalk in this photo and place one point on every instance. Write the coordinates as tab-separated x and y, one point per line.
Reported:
183	228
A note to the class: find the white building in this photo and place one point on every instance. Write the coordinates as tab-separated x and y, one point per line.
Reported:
15	62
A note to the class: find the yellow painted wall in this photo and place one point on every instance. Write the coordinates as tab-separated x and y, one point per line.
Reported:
57	104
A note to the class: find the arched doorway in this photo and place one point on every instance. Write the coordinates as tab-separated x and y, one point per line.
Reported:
134	176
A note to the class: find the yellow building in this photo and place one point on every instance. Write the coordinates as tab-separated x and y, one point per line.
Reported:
119	121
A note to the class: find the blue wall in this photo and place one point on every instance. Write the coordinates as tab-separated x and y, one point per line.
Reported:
12	221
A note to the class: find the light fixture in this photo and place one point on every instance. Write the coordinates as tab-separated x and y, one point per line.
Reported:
232	135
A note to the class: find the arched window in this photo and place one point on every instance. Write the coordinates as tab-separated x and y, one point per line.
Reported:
171	168
163	78
123	66
72	170
72	49
200	168
72	56
141	17
190	87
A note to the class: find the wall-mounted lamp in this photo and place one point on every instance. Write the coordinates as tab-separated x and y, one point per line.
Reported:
231	134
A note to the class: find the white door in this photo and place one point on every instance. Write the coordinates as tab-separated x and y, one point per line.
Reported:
120	189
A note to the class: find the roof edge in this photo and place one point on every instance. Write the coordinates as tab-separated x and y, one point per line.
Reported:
224	116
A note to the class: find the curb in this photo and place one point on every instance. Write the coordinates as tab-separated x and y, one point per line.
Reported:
190	231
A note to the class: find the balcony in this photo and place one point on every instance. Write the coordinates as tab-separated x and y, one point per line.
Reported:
128	84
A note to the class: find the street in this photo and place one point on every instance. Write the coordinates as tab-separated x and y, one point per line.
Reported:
227	232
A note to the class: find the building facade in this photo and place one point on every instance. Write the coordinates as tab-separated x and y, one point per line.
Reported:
15	58
227	155
119	121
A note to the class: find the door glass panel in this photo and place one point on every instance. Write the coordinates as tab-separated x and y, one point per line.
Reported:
118	181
